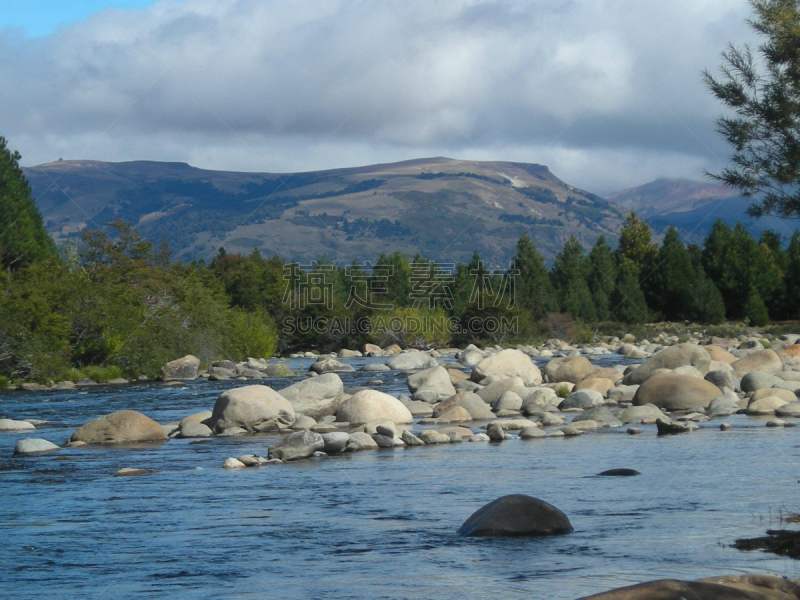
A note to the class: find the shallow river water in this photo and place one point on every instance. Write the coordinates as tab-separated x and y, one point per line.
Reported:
375	524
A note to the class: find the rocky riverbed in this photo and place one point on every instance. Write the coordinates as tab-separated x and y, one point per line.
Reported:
514	404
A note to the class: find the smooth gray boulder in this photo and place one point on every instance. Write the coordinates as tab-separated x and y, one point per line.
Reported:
14	425
335	442
30	446
568	368
584	399
195	430
182	369
330	365
411	361
122	427
316	397
723	380
252	407
505	364
676	392
766	361
758	380
431	385
371	405
297	445
670	358
599	414
516	515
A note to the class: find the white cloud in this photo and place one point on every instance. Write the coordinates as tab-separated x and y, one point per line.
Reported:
606	92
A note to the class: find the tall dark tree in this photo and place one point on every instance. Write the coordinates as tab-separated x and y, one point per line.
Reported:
636	246
762	89
534	290
23	237
602	277
569	274
627	300
792	277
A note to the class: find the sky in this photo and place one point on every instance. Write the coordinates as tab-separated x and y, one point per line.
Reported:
607	93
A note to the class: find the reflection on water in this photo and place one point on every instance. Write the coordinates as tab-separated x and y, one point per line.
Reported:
374	524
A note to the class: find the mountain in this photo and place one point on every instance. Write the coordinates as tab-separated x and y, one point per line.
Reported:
443	208
692	207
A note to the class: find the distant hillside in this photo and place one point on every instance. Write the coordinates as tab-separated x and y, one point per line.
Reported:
693	206
442	208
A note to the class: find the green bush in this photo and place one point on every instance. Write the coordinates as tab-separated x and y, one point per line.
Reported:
4	382
251	334
102	374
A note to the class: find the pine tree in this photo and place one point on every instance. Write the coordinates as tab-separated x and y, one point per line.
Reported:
627	300
23	237
672	283
636	246
534	290
569	280
602	277
755	311
792	277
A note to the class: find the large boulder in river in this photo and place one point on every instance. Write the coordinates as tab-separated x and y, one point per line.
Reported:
765	361
122	427
30	446
508	363
669	391
411	361
671	358
297	445
183	369
516	515
727	587
330	365
316	397
471	402
492	392
431	385
568	368
372	405
252	407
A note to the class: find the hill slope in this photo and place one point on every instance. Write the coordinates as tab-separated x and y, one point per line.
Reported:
693	206
442	208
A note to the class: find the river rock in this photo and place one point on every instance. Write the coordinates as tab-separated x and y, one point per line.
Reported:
456	414
195	430
670	358
765	361
252	407
330	365
316	397
788	410
470	358
530	433
376	367
431	436
723	379
582	399
335	442
508	401
30	446
619	473
729	587
647	414
611	373
496	433
199	417
506	364
765	406
667	427
598	384
372	405
411	361
512	424
516	515
757	380
568	368
233	463
362	441
492	392
13	425
472	403
122	427
410	439
600	414
538	399
297	445
676	392
431	385
182	369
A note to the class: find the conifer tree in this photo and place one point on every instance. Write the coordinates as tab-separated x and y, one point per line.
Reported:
23	237
534	290
569	280
636	246
792	277
602	277
627	300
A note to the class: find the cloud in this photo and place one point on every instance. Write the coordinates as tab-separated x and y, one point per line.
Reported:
606	92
